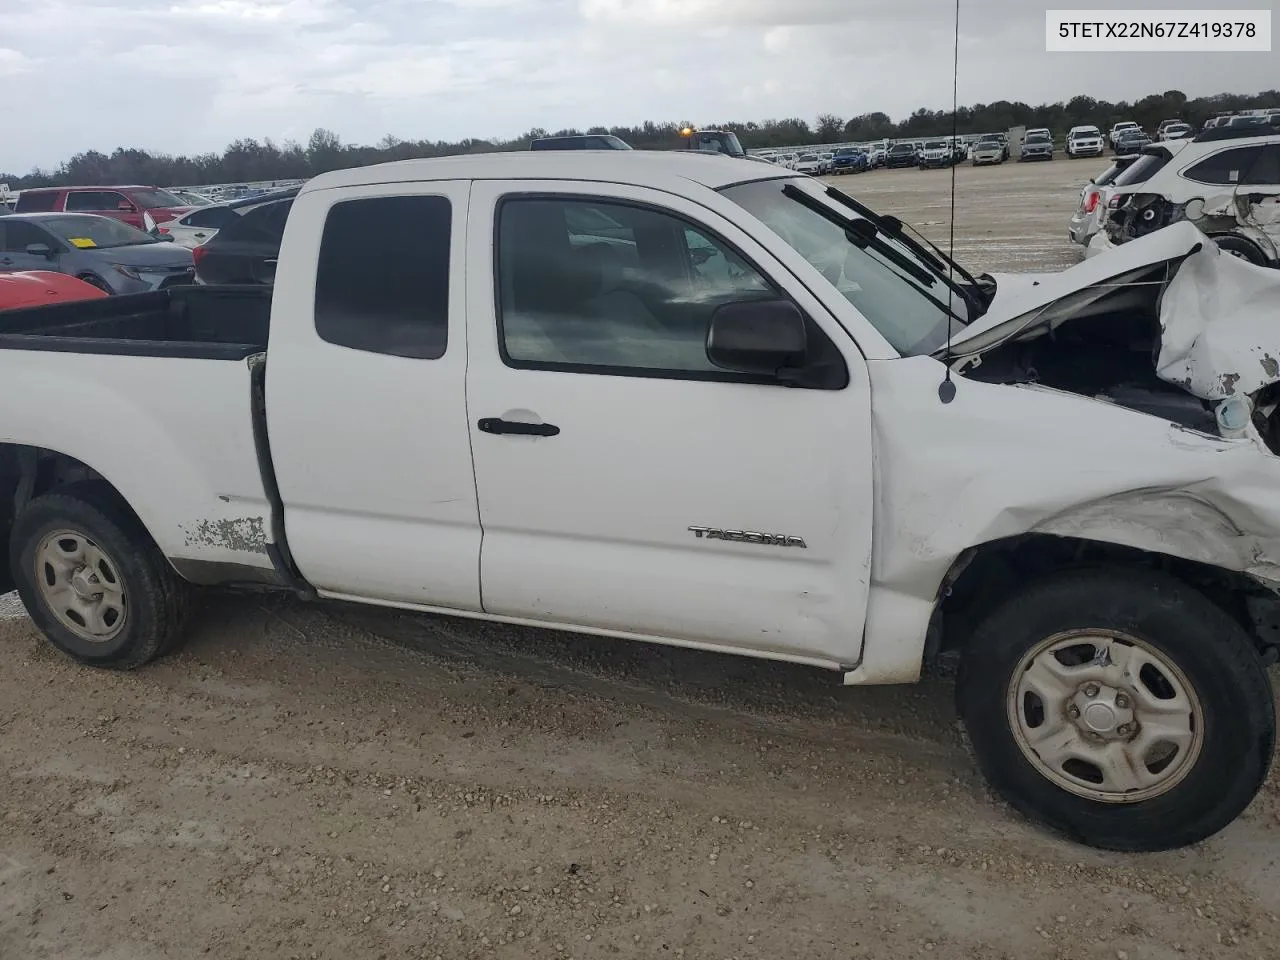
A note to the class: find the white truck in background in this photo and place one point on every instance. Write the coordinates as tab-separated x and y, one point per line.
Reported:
693	400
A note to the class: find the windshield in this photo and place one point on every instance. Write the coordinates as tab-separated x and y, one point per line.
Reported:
148	199
989	144
1037	138
902	148
895	301
193	199
85	231
935	145
808	156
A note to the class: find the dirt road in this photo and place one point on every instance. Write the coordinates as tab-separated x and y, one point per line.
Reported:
323	781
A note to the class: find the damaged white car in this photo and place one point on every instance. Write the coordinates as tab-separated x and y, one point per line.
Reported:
704	402
1226	182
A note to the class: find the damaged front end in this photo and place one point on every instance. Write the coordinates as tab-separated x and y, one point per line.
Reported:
1166	324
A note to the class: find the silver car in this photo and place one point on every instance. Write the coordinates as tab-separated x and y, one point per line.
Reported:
111	255
987	151
1092	210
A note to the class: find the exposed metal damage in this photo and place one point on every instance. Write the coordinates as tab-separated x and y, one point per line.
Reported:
241	535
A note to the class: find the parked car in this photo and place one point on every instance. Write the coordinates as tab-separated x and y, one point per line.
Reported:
849	160
591	141
1120	128
35	288
246	249
901	155
1131	143
141	207
1165	125
1036	146
1176	131
1106	661
1225	182
809	163
987	150
106	253
1085	141
935	153
1092	209
202	224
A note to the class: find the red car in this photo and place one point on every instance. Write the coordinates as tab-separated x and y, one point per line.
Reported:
141	207
32	288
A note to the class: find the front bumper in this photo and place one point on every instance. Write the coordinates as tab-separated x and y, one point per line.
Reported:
1085	150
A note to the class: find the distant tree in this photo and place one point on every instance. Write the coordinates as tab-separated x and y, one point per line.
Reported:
830	128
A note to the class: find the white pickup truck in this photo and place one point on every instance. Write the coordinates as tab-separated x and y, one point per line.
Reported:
694	400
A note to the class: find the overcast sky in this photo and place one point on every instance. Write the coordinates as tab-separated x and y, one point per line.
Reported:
188	76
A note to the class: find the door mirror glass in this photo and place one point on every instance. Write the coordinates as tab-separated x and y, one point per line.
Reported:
40	250
759	337
126	207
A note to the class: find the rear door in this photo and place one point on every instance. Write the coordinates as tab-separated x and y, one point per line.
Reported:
646	492
366	404
1258	197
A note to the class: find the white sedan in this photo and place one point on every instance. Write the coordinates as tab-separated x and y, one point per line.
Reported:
810	163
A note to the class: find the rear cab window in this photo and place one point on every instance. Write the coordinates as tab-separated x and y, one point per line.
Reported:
382	280
1143	169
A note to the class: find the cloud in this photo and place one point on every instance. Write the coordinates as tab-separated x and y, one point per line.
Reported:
189	76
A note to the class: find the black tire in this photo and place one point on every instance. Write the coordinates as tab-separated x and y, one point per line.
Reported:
157	601
1211	650
1242	248
96	281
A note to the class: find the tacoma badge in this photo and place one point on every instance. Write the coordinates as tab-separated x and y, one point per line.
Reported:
748	536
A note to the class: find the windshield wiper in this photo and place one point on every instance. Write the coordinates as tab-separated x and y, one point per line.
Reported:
864	211
865	237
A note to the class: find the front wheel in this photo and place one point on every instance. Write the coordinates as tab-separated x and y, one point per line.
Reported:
1120	708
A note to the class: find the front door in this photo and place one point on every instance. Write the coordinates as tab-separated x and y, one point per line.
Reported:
625	483
15	237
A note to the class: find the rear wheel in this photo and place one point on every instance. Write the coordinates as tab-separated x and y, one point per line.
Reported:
1120	708
93	581
1241	248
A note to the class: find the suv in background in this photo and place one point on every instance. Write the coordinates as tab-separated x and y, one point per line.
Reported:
1226	182
901	154
141	207
1084	141
590	141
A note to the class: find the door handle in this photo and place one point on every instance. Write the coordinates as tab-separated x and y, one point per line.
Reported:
199	234
498	425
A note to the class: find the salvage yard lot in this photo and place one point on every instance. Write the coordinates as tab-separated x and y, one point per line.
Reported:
325	781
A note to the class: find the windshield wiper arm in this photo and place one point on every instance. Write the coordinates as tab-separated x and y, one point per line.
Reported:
864	211
868	238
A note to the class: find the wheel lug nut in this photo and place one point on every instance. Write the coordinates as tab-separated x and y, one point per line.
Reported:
1091	690
1073	712
1122	701
1124	729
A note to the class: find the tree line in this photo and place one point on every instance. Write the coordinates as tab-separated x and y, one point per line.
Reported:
254	160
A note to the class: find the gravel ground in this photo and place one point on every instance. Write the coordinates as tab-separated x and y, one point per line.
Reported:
327	781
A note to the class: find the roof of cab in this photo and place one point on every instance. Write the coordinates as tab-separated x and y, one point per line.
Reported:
649	168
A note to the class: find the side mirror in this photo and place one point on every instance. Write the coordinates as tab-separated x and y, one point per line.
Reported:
757	336
126	207
40	250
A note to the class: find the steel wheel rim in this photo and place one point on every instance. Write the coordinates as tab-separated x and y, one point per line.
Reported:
81	586
1105	716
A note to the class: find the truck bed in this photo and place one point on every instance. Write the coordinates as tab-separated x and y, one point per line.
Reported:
214	323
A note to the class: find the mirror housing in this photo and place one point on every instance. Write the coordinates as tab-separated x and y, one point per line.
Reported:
760	337
126	207
40	250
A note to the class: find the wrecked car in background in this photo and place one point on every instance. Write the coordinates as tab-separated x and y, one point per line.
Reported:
881	458
1225	181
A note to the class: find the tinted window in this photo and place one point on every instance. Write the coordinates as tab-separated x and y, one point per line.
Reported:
1142	169
382	283
613	287
1266	169
29	202
16	236
94	200
1227	167
215	218
264	224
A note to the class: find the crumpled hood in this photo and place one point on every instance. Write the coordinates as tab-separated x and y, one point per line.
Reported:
1221	326
1219	315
